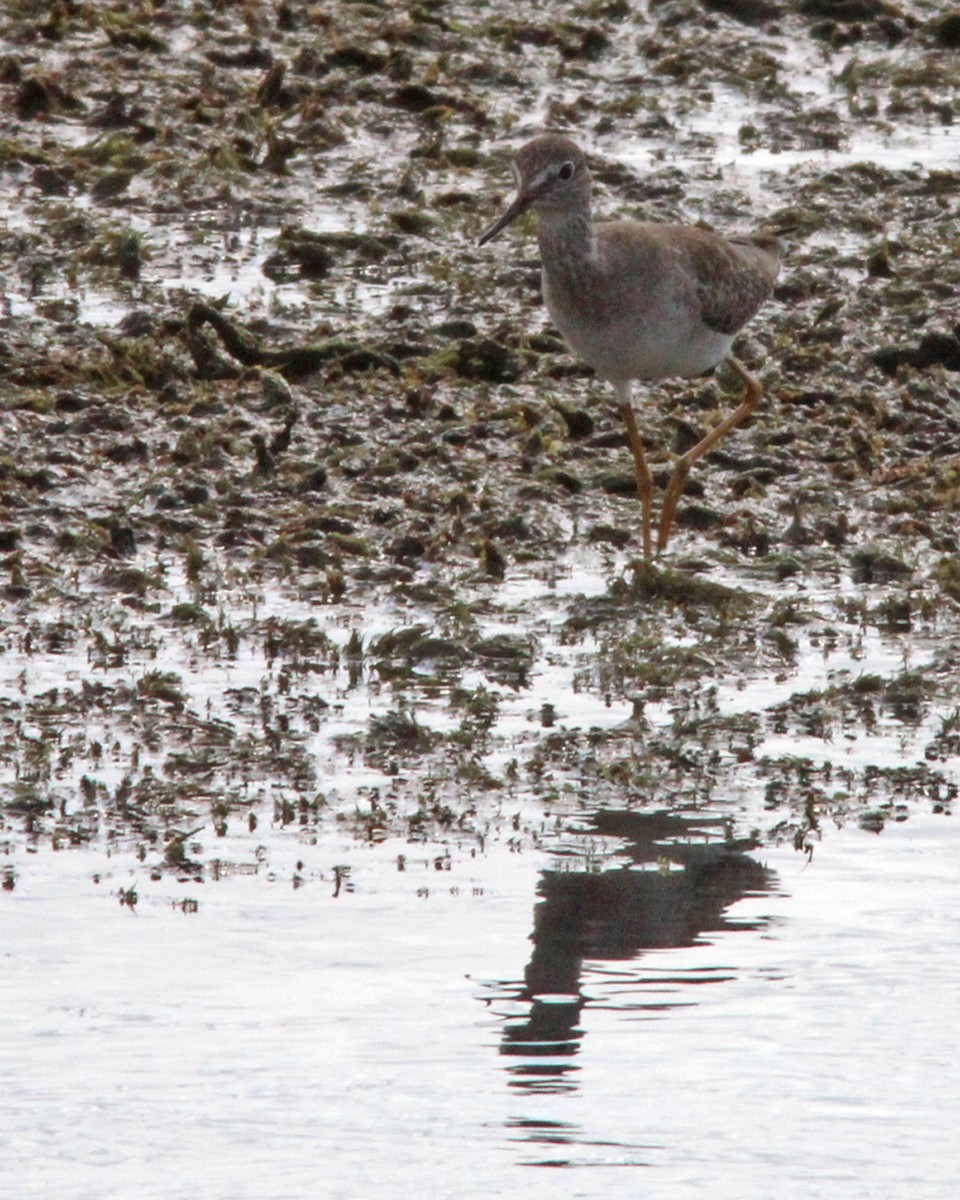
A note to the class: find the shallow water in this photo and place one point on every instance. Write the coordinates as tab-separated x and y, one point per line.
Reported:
284	1042
325	1022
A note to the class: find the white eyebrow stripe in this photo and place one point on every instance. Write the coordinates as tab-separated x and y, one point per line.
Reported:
541	177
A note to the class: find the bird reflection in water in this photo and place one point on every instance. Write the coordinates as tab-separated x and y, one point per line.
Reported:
693	873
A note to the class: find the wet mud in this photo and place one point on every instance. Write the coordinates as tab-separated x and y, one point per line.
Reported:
309	522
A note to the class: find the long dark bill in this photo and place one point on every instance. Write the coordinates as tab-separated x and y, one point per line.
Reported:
520	204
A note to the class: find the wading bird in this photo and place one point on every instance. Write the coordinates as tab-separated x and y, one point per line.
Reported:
638	299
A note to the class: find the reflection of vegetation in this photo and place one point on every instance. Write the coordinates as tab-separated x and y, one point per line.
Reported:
818	713
162	685
641	660
398	730
480	709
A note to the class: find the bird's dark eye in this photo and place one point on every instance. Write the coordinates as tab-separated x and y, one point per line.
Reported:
566	170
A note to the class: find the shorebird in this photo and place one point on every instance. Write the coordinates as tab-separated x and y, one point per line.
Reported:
640	300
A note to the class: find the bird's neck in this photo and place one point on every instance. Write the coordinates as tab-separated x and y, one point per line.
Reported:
566	236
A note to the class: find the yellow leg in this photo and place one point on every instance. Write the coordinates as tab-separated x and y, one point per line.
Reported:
751	398
644	478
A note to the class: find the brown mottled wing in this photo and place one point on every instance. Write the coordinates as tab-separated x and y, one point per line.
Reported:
734	277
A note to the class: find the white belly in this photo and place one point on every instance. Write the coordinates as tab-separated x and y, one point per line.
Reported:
659	343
